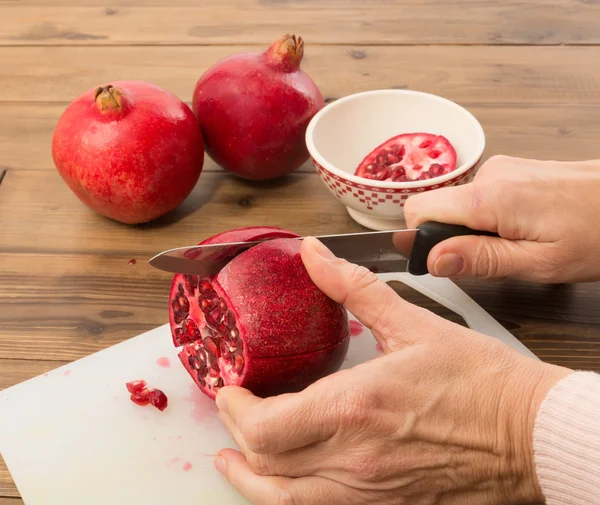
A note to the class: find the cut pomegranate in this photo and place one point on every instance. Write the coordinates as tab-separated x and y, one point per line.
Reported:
262	323
409	157
141	395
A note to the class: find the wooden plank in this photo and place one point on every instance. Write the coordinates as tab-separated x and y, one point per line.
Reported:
67	288
494	75
554	131
327	22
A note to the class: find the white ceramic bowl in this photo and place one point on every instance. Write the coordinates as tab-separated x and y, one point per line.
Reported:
342	133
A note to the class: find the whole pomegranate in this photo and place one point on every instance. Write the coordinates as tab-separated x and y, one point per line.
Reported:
130	150
260	323
253	109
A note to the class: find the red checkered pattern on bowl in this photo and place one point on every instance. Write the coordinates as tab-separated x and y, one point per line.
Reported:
372	196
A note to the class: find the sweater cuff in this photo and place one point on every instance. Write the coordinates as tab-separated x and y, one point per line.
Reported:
566	441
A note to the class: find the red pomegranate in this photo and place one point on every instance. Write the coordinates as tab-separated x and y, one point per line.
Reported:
130	150
253	109
260	323
409	157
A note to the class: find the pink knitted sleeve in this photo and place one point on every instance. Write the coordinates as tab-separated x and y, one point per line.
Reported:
567	441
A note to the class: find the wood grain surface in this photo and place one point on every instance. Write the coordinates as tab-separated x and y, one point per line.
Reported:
527	69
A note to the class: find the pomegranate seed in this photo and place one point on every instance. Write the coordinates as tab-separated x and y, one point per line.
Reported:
222	328
136	386
158	399
191	281
425	144
418	167
178	317
234	333
398	174
179	337
211	347
201	379
382	174
180	289
230	320
193	362
190	329
436	169
139	400
214	372
205	286
239	363
434	154
219	383
425	176
382	158
181	303
224	348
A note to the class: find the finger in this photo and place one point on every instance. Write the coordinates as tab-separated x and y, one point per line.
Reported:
268	490
372	301
465	205
295	463
280	423
483	257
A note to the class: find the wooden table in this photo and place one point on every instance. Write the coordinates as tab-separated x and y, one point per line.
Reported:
529	70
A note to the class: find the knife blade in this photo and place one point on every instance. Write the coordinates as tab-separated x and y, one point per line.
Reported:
379	251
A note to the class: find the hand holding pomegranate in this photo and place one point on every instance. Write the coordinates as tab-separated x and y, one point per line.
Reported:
546	212
444	416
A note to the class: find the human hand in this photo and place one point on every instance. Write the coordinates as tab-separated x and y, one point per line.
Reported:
444	416
547	213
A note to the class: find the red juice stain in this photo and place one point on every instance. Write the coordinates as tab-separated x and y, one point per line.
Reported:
378	347
187	466
66	372
132	262
172	461
356	328
163	362
179	437
45	375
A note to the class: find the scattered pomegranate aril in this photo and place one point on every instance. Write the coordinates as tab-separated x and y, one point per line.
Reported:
158	399
409	157
269	328
115	145
254	108
141	395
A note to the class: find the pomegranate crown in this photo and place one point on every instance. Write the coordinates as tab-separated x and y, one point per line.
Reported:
286	53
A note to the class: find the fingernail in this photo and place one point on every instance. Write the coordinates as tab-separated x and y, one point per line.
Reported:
448	264
220	465
321	249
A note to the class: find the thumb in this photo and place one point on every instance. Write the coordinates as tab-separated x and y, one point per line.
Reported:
365	295
483	257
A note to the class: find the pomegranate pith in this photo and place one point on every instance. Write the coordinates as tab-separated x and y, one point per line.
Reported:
254	108
130	151
409	157
260	323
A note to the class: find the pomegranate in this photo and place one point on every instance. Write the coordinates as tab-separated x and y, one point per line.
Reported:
253	109
260	323
130	150
141	395
409	157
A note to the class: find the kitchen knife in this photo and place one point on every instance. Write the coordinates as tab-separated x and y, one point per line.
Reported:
379	251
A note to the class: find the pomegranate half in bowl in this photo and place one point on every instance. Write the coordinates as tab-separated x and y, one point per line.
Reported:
443	140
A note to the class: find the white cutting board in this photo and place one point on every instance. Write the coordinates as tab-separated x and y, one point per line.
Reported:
73	437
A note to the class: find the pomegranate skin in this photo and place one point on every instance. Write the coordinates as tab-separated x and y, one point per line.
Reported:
254	108
290	334
130	151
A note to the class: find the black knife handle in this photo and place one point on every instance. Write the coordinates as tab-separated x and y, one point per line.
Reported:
429	235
